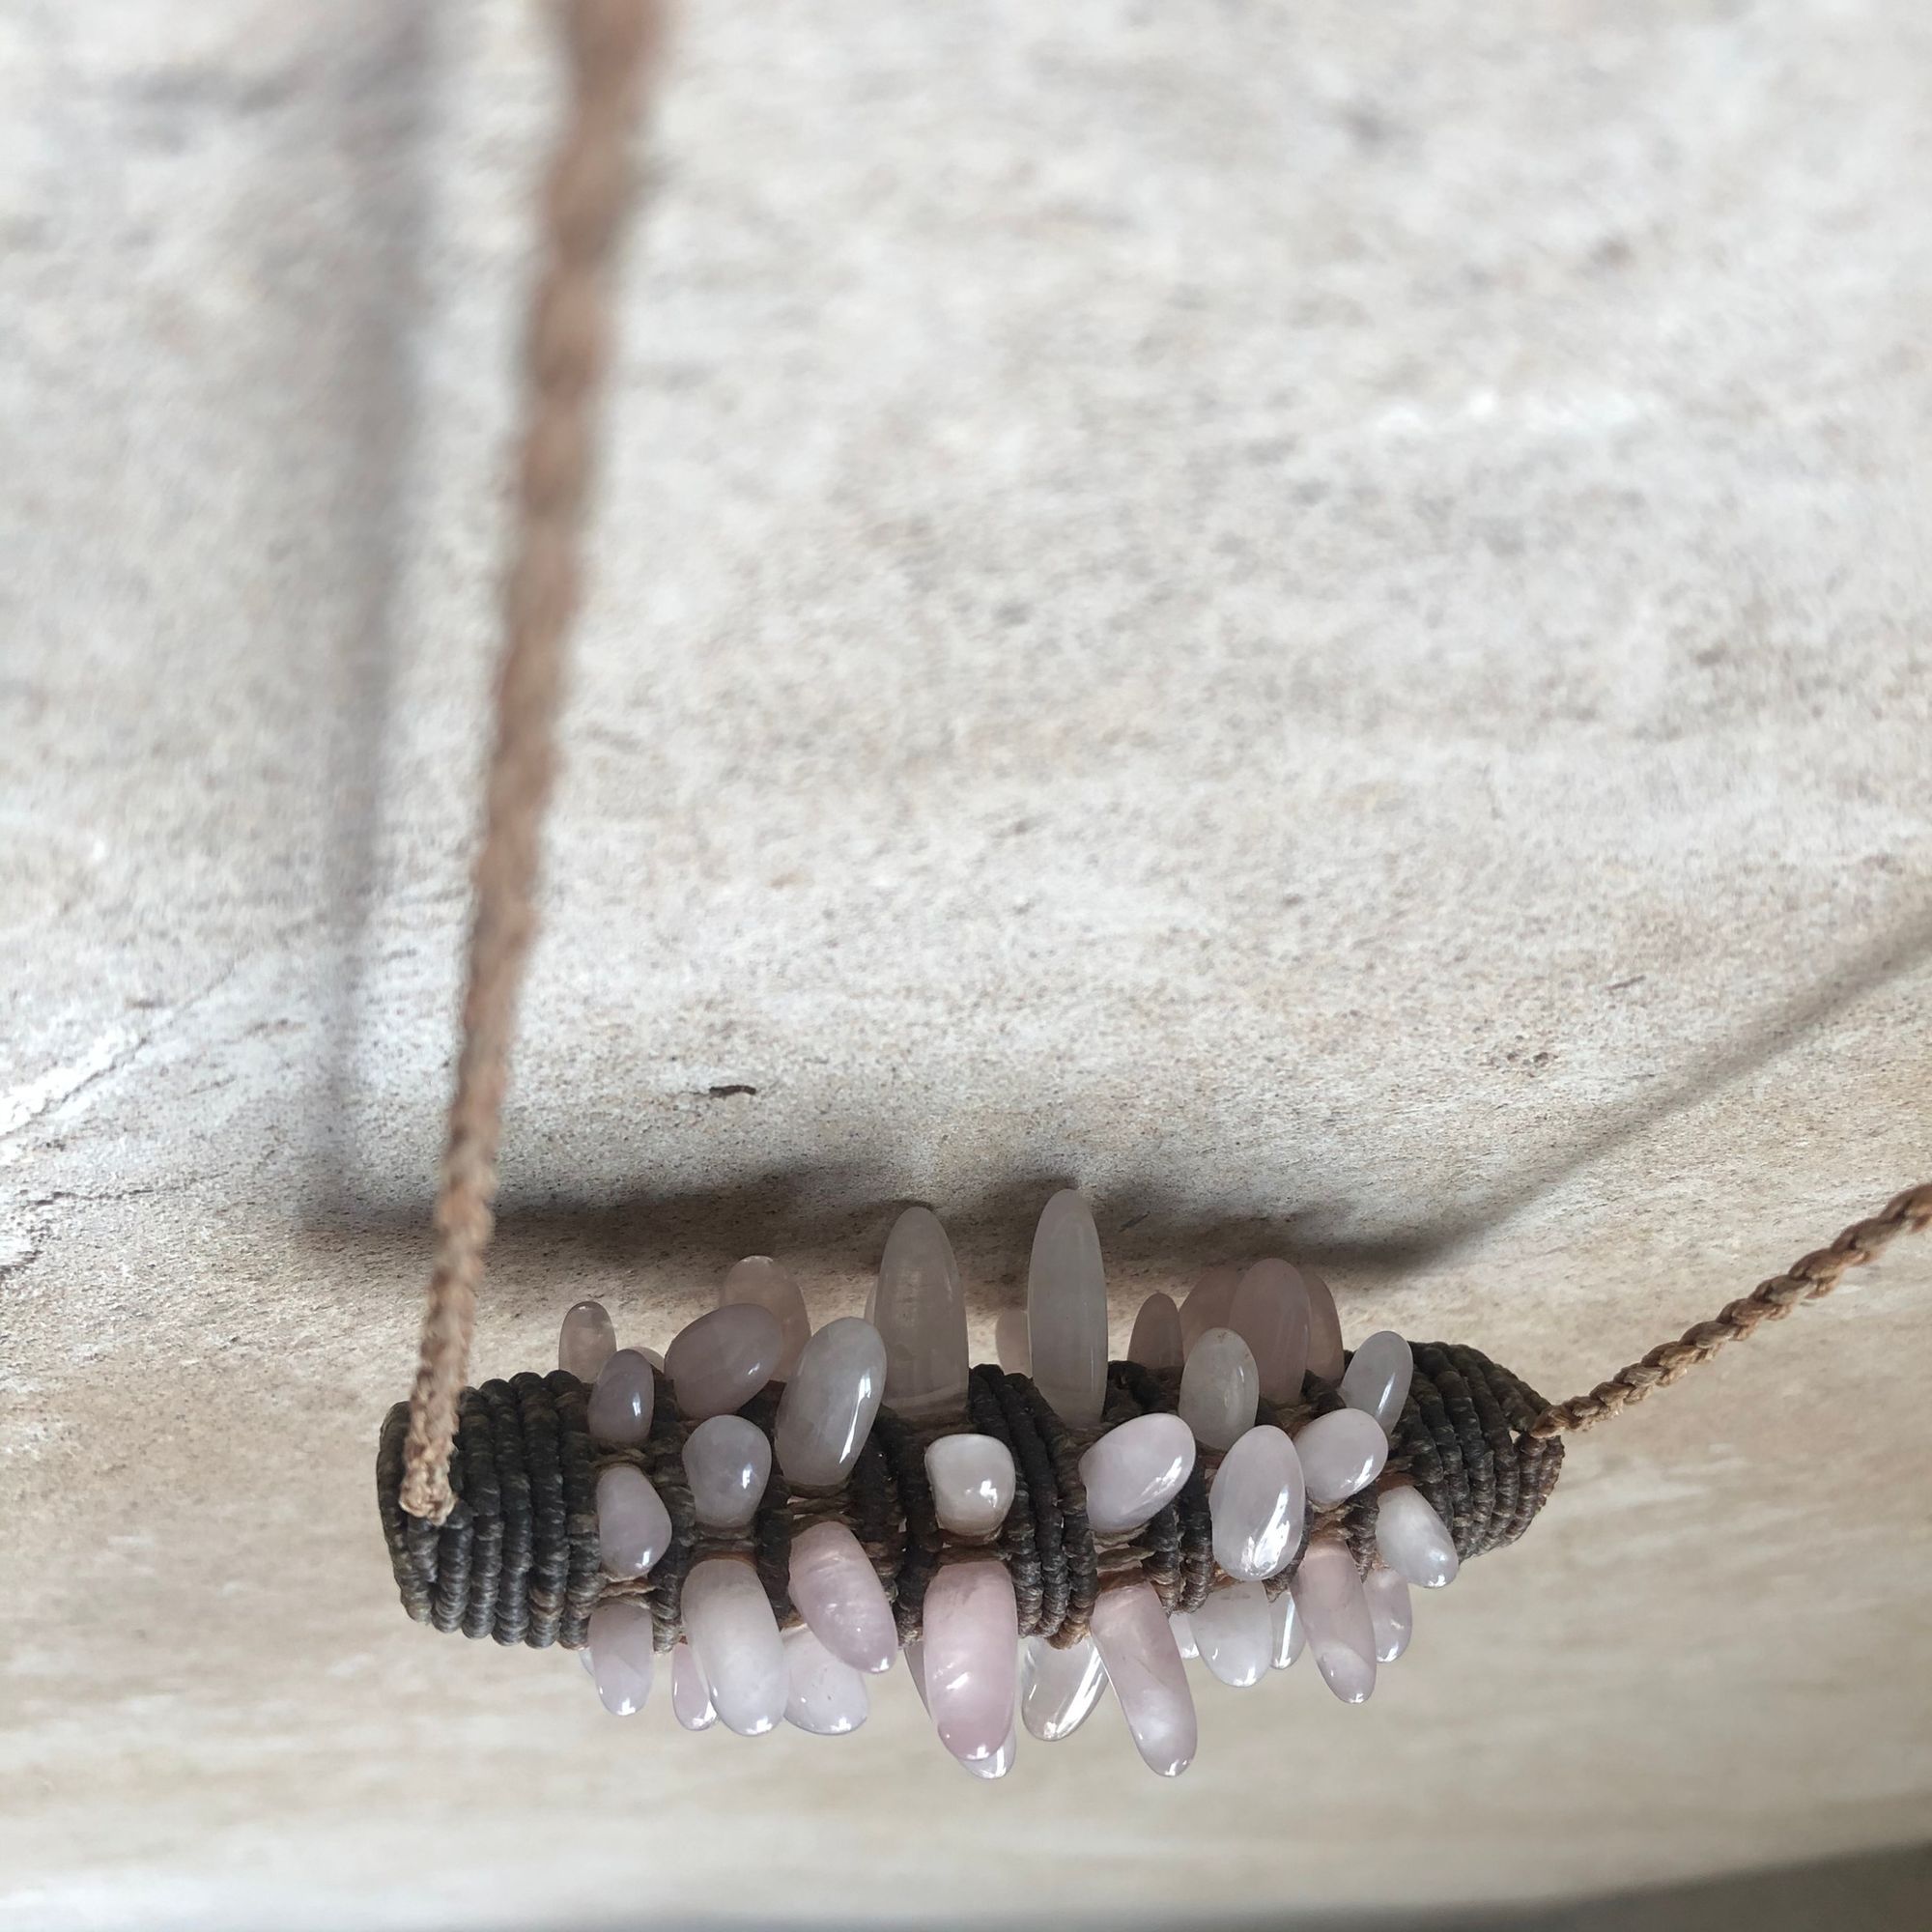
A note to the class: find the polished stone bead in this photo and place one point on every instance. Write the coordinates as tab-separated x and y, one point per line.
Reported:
1135	1471
587	1340
919	1310
621	1399
690	1698
1219	1389
1138	1651
1009	1342
1182	1627
826	1695
973	1483
1156	1338
1289	1634
1258	1505
1329	1597
1067	1311
827	1409
840	1596
1413	1540
999	1762
1326	1357
971	1657
1377	1378
727	1462
1059	1688
1236	1634
1270	1315
632	1524
1208	1302
722	1359
1341	1453
728	1621
622	1651
1390	1614
763	1283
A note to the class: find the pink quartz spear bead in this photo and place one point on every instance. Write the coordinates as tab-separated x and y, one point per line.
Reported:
1067	1311
1390	1615
827	1697
1236	1634
1325	1353
1269	1313
587	1340
1058	1688
1378	1376
1328	1597
763	1283
1143	1666
621	1650
840	1598
719	1361
1208	1302
1156	1338
971	1658
1009	1342
919	1307
734	1637
689	1700
1256	1505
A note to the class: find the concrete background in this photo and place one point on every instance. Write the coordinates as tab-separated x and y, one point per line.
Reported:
1311	617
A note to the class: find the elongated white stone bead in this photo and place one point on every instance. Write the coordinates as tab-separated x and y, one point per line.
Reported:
840	1598
826	1695
1236	1634
1059	1688
690	1696
727	1462
1009	1342
1182	1627
1156	1336
1137	1648
1390	1614
621	1651
1208	1302
1289	1634
722	1360
1413	1541
763	1283
919	1310
1341	1452
632	1524
973	1483
1067	1311
587	1340
1000	1762
1326	1358
1328	1597
1377	1378
1219	1389
1258	1505
1135	1471
827	1409
1270	1315
972	1658
621	1399
735	1641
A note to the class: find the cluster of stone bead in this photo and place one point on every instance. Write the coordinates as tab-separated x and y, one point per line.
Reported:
1240	1336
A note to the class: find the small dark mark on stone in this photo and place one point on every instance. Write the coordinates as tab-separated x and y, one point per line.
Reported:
727	1091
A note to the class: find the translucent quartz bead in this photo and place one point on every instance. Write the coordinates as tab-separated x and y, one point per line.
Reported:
1067	1311
1289	1634
722	1360
727	1462
1156	1336
587	1340
1328	1597
1258	1505
1326	1358
1135	1471
1413	1540
1341	1452
973	1483
690	1699
1009	1342
735	1641
1236	1634
827	1409
621	1652
827	1697
1377	1378
1208	1302
763	1283
1059	1688
632	1524
1270	1315
1000	1762
1219	1388
1138	1651
919	1310
840	1596
621	1399
1390	1615
1182	1628
971	1657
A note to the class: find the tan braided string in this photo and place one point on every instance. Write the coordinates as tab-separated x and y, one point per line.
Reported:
612	47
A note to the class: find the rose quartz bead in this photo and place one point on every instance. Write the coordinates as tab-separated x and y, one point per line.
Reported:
827	1409
1067	1311
1326	1358
1009	1342
827	1697
1182	1627
722	1359
1413	1540
1236	1634
1390	1616
1219	1389
999	1762
689	1700
1135	1471
621	1652
1378	1376
622	1399
632	1524
586	1340
1270	1315
1257	1504
1137	1647
1156	1337
973	1483
763	1283
1289	1634
1341	1452
727	1462
840	1598
1208	1302
735	1639
972	1656
1328	1597
919	1311
1058	1688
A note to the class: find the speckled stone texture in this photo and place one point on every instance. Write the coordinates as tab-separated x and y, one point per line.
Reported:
1311	617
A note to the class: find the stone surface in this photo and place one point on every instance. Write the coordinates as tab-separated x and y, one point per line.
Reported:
1208	1302
1143	1666
1234	1631
1413	1540
1377	1378
827	1409
1269	1313
1135	1471
1341	1452
727	1462
769	1285
970	1658
722	1359
973	1482
1326	1357
826	1696
621	1655
689	1695
1333	1610
1288	1636
839	1593
586	1340
1390	1616
1256	1500
919	1307
1067	1311
623	1399
1155	1343
734	1638
632	1524
1058	1688
1219	1388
